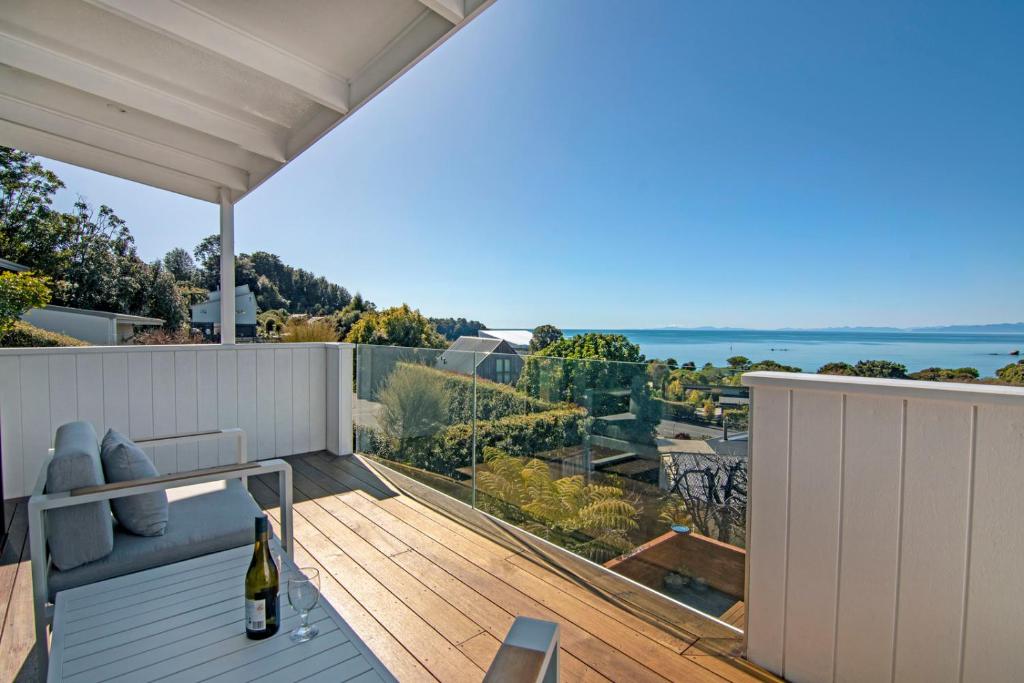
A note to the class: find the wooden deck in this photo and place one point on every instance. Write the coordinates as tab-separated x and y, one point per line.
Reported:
432	597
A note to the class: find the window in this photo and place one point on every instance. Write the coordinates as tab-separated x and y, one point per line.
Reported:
503	370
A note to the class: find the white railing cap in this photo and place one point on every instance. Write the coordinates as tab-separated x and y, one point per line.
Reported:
902	388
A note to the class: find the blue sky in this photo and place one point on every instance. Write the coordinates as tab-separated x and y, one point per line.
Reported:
608	164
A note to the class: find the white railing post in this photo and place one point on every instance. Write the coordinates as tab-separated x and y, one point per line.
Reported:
339	398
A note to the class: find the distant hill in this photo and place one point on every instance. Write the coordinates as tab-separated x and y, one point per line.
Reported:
994	328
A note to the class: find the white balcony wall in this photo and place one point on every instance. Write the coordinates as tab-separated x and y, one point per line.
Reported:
885	539
278	393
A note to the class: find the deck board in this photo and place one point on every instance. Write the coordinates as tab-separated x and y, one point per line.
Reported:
430	596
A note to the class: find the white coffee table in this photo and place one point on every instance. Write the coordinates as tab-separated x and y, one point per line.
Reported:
185	622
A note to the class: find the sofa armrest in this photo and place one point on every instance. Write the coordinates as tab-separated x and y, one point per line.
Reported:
241	445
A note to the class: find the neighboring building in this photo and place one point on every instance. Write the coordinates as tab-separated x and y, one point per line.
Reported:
95	327
496	360
519	340
206	315
12	266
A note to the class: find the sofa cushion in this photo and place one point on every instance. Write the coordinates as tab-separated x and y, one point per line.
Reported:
81	533
198	525
146	513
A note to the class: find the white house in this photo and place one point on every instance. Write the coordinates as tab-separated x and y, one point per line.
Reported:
99	328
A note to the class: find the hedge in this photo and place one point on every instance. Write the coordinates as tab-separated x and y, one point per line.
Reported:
493	399
451	448
26	335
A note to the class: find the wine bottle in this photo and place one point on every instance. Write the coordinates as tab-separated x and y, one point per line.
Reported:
262	606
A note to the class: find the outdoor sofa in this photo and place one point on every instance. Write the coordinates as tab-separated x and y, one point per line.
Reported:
208	510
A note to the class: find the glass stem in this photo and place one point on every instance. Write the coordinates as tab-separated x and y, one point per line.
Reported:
304	616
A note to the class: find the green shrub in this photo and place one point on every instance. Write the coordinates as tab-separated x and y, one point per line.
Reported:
413	404
25	335
451	448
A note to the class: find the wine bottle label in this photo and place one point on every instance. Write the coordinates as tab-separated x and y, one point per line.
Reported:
255	615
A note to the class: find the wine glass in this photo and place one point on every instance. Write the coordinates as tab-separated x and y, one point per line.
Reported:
303	594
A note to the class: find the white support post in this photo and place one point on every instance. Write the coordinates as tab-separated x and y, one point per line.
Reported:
227	268
339	398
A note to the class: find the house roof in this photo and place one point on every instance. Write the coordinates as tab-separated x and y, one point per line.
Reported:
513	337
12	266
119	317
459	356
195	95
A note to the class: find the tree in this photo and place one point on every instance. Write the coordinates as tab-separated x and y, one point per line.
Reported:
839	368
453	328
708	409
18	293
543	337
773	366
945	375
1012	373
164	299
396	326
714	490
180	265
347	317
738	362
604	373
207	254
31	231
880	368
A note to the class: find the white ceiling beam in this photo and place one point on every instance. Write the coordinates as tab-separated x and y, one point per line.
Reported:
61	68
452	10
80	154
189	24
60	98
63	125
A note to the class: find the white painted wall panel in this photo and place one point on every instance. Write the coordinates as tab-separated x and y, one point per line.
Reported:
265	403
904	547
164	421
115	392
283	401
300	401
186	407
318	398
227	401
10	425
35	417
248	402
813	549
90	390
207	418
63	389
766	540
277	395
870	512
994	625
934	547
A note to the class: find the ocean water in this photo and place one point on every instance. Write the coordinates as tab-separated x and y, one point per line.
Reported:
810	350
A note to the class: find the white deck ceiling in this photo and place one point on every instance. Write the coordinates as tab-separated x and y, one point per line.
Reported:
194	95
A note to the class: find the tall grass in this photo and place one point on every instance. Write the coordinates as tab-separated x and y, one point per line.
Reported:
309	331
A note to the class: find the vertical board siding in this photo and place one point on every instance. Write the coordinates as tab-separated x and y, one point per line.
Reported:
278	396
935	493
10	427
283	401
994	627
812	577
871	506
318	398
884	540
766	604
90	390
